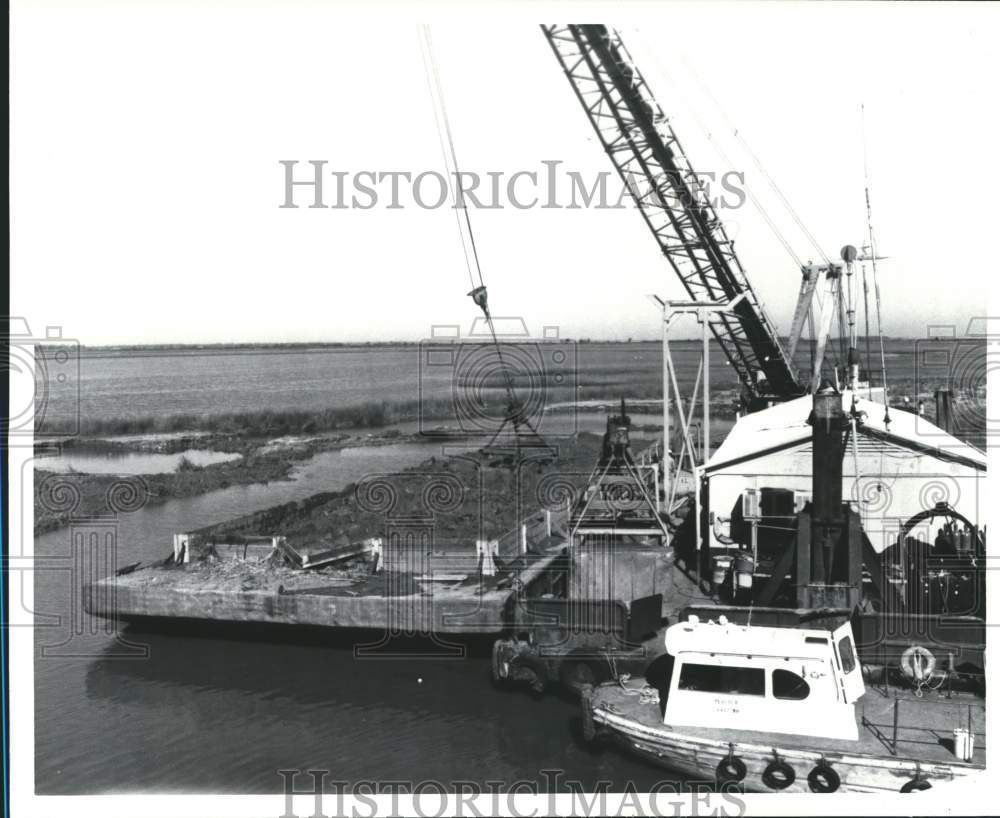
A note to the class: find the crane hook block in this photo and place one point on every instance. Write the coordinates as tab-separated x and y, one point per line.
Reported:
479	296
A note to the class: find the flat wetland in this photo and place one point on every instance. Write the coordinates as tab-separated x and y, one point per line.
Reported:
277	407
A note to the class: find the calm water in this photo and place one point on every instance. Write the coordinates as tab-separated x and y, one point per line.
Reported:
223	715
130	462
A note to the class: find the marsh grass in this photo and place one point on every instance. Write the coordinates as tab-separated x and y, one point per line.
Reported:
267	422
368	415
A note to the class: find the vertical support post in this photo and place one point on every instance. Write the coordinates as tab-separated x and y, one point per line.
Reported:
699	546
704	385
803	559
656	488
828	425
684	424
666	455
943	406
524	538
702	310
548	522
895	723
705	437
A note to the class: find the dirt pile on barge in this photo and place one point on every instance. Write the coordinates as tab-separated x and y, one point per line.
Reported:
468	496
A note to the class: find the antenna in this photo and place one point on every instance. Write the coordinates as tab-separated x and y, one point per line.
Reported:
873	256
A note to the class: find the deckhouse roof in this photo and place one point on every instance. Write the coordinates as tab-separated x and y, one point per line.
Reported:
728	638
786	424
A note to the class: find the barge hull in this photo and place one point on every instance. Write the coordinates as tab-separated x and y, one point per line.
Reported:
167	594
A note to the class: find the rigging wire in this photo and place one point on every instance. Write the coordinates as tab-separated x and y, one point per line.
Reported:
720	151
856	488
842	325
753	157
868	337
782	198
873	252
812	341
830	351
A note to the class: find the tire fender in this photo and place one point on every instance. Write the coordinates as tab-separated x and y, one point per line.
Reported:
823	778
731	770
778	775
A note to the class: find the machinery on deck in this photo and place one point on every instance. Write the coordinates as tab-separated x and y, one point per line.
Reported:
825	570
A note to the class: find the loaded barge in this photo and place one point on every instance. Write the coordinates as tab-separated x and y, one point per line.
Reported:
402	582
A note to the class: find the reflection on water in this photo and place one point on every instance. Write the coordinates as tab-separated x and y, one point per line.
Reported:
130	462
208	714
225	715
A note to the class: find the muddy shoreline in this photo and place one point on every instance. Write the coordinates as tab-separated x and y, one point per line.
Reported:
270	446
60	496
461	498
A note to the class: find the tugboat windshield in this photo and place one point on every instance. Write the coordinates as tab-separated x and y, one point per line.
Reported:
744	681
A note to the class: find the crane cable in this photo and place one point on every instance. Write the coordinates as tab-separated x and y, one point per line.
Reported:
448	154
458	199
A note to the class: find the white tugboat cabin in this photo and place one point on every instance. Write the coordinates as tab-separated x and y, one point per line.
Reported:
778	680
786	709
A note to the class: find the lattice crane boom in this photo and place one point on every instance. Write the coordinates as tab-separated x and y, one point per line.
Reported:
644	149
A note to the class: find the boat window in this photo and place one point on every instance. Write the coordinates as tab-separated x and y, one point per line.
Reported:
846	654
788	685
746	681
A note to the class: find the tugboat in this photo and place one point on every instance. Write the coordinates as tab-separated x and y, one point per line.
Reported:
768	709
772	700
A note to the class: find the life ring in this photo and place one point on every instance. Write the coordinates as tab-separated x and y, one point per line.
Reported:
731	769
778	775
917	784
917	663
823	778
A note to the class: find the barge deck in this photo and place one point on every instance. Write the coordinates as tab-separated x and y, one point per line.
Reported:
257	592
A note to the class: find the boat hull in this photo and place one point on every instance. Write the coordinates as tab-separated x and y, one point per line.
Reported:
698	758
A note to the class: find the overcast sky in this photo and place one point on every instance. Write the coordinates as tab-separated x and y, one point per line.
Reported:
146	179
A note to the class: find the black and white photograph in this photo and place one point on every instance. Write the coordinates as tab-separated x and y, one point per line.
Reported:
432	409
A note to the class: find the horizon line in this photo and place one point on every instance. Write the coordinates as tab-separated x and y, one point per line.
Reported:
55	342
